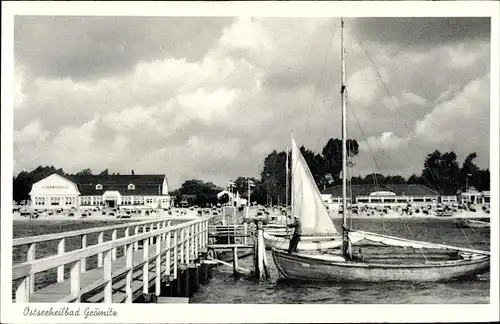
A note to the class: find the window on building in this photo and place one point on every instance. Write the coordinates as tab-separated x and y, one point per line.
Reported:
98	186
85	200
131	187
39	201
126	200
149	200
139	200
98	201
55	201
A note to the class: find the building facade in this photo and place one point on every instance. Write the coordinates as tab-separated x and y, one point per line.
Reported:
91	191
472	196
371	195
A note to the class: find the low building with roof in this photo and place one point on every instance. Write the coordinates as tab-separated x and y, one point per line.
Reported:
473	196
389	194
81	191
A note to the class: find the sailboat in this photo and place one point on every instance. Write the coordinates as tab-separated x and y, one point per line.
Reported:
390	258
318	231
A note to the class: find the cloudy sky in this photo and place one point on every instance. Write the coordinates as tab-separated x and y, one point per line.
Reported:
209	97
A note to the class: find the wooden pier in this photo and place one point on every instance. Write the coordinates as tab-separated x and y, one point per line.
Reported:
235	238
159	262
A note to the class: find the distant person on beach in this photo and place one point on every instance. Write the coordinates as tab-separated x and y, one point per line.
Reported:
294	242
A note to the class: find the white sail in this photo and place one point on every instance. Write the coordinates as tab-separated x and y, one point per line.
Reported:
307	204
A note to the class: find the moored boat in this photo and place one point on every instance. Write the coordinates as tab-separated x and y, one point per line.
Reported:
388	260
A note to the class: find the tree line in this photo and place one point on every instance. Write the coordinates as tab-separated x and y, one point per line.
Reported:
441	172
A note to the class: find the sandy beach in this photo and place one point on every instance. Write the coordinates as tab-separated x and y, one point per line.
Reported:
100	218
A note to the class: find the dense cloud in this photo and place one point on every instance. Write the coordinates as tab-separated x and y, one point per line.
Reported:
211	97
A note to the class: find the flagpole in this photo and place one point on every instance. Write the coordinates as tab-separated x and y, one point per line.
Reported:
249	201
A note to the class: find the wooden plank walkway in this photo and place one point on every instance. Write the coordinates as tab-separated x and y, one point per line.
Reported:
92	278
115	279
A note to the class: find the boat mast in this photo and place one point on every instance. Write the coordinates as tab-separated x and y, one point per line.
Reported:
287	183
292	216
345	237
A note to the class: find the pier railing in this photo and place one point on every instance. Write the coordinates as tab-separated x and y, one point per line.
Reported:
173	244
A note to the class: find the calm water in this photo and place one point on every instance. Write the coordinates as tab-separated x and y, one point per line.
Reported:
224	288
39	227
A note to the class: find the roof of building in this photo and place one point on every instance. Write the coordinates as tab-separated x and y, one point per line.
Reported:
144	184
398	189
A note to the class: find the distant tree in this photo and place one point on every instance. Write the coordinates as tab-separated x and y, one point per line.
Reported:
104	173
442	172
258	192
23	182
133	173
397	179
224	199
374	179
84	172
473	175
414	179
177	195
205	192
332	156
273	176
357	180
482	180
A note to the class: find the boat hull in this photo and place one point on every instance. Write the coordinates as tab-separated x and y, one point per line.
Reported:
472	224
272	241
306	267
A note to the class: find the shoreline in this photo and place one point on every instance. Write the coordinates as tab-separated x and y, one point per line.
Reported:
103	218
411	217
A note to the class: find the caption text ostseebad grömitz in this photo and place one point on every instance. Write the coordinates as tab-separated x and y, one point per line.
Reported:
70	311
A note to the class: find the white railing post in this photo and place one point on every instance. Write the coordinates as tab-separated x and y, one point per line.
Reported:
195	233
136	232
175	252
205	233
31	257
75	276
196	239
151	228
60	251
181	245
130	262
108	287
83	261
167	254
164	235
188	242
100	240
145	267
125	247
245	232
23	290
158	265
113	238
